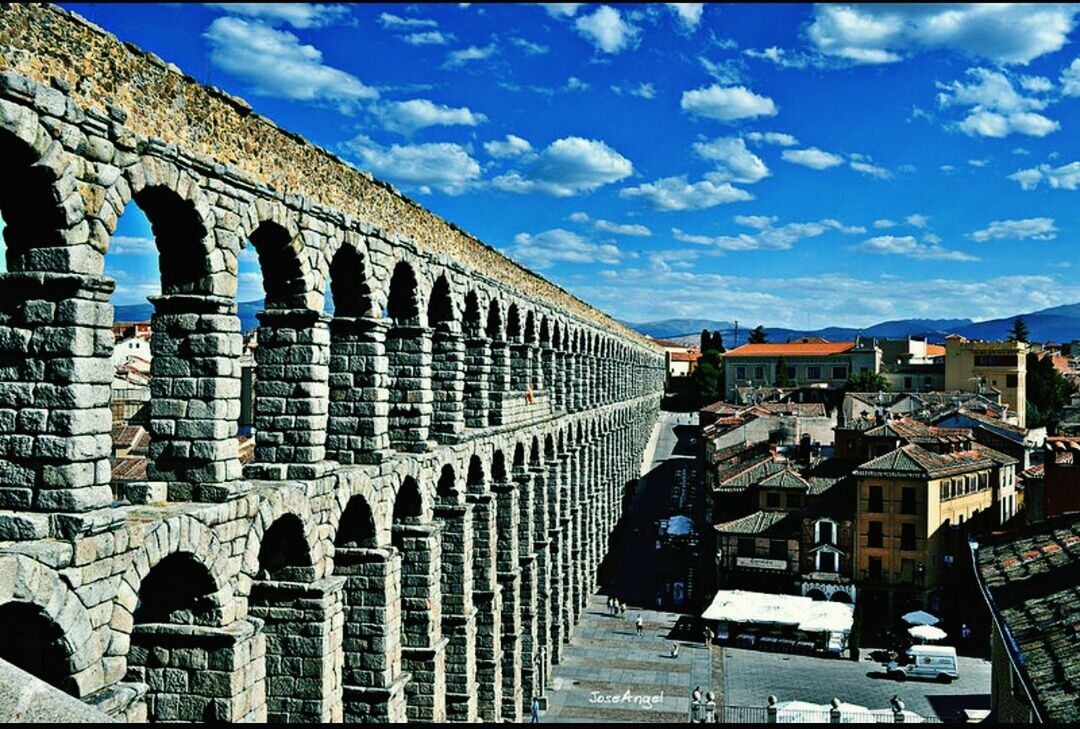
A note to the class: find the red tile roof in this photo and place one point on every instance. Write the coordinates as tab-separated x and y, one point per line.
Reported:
935	350
792	349
685	356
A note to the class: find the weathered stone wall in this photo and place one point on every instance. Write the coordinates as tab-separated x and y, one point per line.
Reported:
438	464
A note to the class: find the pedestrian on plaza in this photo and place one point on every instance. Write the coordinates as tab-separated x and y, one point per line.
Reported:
696	695
640	624
708	636
615	606
622	609
965	632
536	711
675	650
609	604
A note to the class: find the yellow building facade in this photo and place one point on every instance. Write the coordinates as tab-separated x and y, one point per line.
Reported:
1002	365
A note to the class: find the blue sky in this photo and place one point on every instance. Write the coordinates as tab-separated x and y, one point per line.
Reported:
795	165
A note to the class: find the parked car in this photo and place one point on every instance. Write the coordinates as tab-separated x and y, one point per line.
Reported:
931	662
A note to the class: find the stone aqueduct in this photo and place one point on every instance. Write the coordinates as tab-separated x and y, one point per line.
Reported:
417	534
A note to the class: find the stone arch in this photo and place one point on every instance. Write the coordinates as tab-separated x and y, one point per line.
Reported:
408	502
498	467
545	331
36	594
41	207
519	463
283	550
403	302
441	311
494	325
513	324
476	479
280	250
447	490
355	484
815	594
277	503
840	596
349	279
472	321
529	334
356	528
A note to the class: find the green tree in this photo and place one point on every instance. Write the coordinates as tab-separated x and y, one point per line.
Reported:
708	377
717	341
757	335
1048	391
867	382
1019	331
782	377
706	340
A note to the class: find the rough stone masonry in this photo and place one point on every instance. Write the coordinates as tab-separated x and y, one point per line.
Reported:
416	536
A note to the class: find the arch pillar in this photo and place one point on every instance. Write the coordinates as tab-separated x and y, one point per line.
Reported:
458	611
534	594
408	349
487	599
423	645
448	384
499	390
508	572
358	428
477	375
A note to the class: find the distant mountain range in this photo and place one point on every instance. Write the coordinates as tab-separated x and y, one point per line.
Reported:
1058	324
141	312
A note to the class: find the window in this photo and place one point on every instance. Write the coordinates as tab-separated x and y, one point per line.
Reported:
740	372
875	537
772	499
746	547
759	373
778	549
826	562
995	360
1011	380
826	533
876	502
839	373
813	373
907	500
907	537
944	490
794	501
873	568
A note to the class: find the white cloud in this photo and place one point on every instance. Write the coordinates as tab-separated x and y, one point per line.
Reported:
689	14
909	247
779	56
561	10
812	157
275	63
607	30
575	84
644	90
777	138
768	237
131	245
978	162
1033	228
405	117
638	231
514	146
726	72
1006	33
1036	84
734	162
996	108
457	59
579	217
1070	79
870	170
727	103
388	20
544	249
446	167
298	15
917	220
567	167
530	48
884	223
427	38
675	193
1066	177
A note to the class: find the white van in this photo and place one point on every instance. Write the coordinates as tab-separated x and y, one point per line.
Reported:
933	662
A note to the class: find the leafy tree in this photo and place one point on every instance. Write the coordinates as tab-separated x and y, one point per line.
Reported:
707	378
757	335
867	382
1048	391
717	341
1019	331
782	377
706	340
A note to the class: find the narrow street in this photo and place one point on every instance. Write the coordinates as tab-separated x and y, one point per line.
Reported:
608	673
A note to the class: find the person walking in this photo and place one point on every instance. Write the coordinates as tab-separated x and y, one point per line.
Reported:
615	606
708	636
536	710
622	609
640	625
609	604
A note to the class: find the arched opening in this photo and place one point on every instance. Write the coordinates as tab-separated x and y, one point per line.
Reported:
475	479
283	552
446	487
519	353
499	383
841	596
356	422
177	590
32	216
357	526
408	349
815	594
447	365
476	365
36	644
408	507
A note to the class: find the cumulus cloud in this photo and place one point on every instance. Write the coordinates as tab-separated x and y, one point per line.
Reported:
568	166
1070	79
275	63
132	245
607	30
544	249
635	230
298	15
909	247
689	14
870	170
884	223
644	90
734	162
812	157
388	20
917	220
1007	33
561	10
512	146
996	108
405	117
428	38
727	103
457	59
1033	228
1066	177
778	138
442	166
779	56
530	48
675	193
767	236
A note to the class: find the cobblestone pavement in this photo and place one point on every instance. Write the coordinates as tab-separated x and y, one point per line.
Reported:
750	676
609	674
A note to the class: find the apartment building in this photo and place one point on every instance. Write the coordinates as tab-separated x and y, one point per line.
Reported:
973	366
806	362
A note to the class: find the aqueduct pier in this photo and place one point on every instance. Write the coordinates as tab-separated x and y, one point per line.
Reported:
439	463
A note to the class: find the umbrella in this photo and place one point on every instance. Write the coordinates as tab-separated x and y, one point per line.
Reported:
927	632
920	617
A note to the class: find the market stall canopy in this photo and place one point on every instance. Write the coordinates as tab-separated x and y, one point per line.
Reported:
679	526
803	613
920	617
927	632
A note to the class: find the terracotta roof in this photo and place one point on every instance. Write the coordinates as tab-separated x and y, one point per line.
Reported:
794	349
756	523
935	350
131	468
911	460
686	356
786	479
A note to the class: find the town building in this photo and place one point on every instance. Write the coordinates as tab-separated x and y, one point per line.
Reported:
914	508
1023	444
806	362
725	425
1061	476
1028	579
912	364
923	405
970	365
680	360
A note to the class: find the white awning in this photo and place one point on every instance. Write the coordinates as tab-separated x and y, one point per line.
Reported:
679	526
803	613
